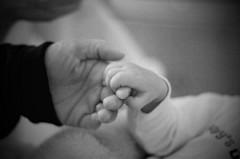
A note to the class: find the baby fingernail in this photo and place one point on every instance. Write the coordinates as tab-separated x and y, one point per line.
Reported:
104	116
112	103
123	93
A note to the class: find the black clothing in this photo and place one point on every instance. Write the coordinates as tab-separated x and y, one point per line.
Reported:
24	88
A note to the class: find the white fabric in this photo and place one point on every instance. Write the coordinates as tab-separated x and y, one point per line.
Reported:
206	126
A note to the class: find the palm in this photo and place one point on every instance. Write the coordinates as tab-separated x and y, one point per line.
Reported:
75	80
78	95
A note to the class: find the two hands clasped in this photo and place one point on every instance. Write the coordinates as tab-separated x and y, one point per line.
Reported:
87	90
129	84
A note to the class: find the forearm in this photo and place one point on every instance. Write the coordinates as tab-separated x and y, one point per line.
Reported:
24	86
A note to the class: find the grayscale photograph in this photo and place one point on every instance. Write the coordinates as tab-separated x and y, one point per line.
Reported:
120	79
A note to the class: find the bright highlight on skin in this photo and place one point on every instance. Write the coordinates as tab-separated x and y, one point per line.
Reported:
123	93
107	111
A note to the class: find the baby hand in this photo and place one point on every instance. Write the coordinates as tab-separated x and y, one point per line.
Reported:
147	88
107	110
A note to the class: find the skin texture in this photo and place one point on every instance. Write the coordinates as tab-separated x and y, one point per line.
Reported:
75	73
108	142
130	84
75	143
146	86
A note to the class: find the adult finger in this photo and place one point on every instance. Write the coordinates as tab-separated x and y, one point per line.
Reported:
98	49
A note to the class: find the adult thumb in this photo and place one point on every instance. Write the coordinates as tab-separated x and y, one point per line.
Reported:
98	50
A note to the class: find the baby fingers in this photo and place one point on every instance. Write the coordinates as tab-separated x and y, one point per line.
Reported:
90	121
123	92
112	103
106	116
109	73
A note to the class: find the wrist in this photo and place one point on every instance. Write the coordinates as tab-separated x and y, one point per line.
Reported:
36	98
49	60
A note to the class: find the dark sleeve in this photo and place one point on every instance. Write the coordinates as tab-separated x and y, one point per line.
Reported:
24	86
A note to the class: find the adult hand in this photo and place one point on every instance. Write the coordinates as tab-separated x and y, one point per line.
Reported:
75	72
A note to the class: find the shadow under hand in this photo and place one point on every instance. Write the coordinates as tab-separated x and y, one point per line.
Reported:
75	143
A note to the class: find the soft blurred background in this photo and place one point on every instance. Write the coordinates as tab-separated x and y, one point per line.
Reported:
197	40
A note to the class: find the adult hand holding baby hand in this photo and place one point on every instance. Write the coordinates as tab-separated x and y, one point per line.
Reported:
107	109
127	83
140	88
75	72
111	102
